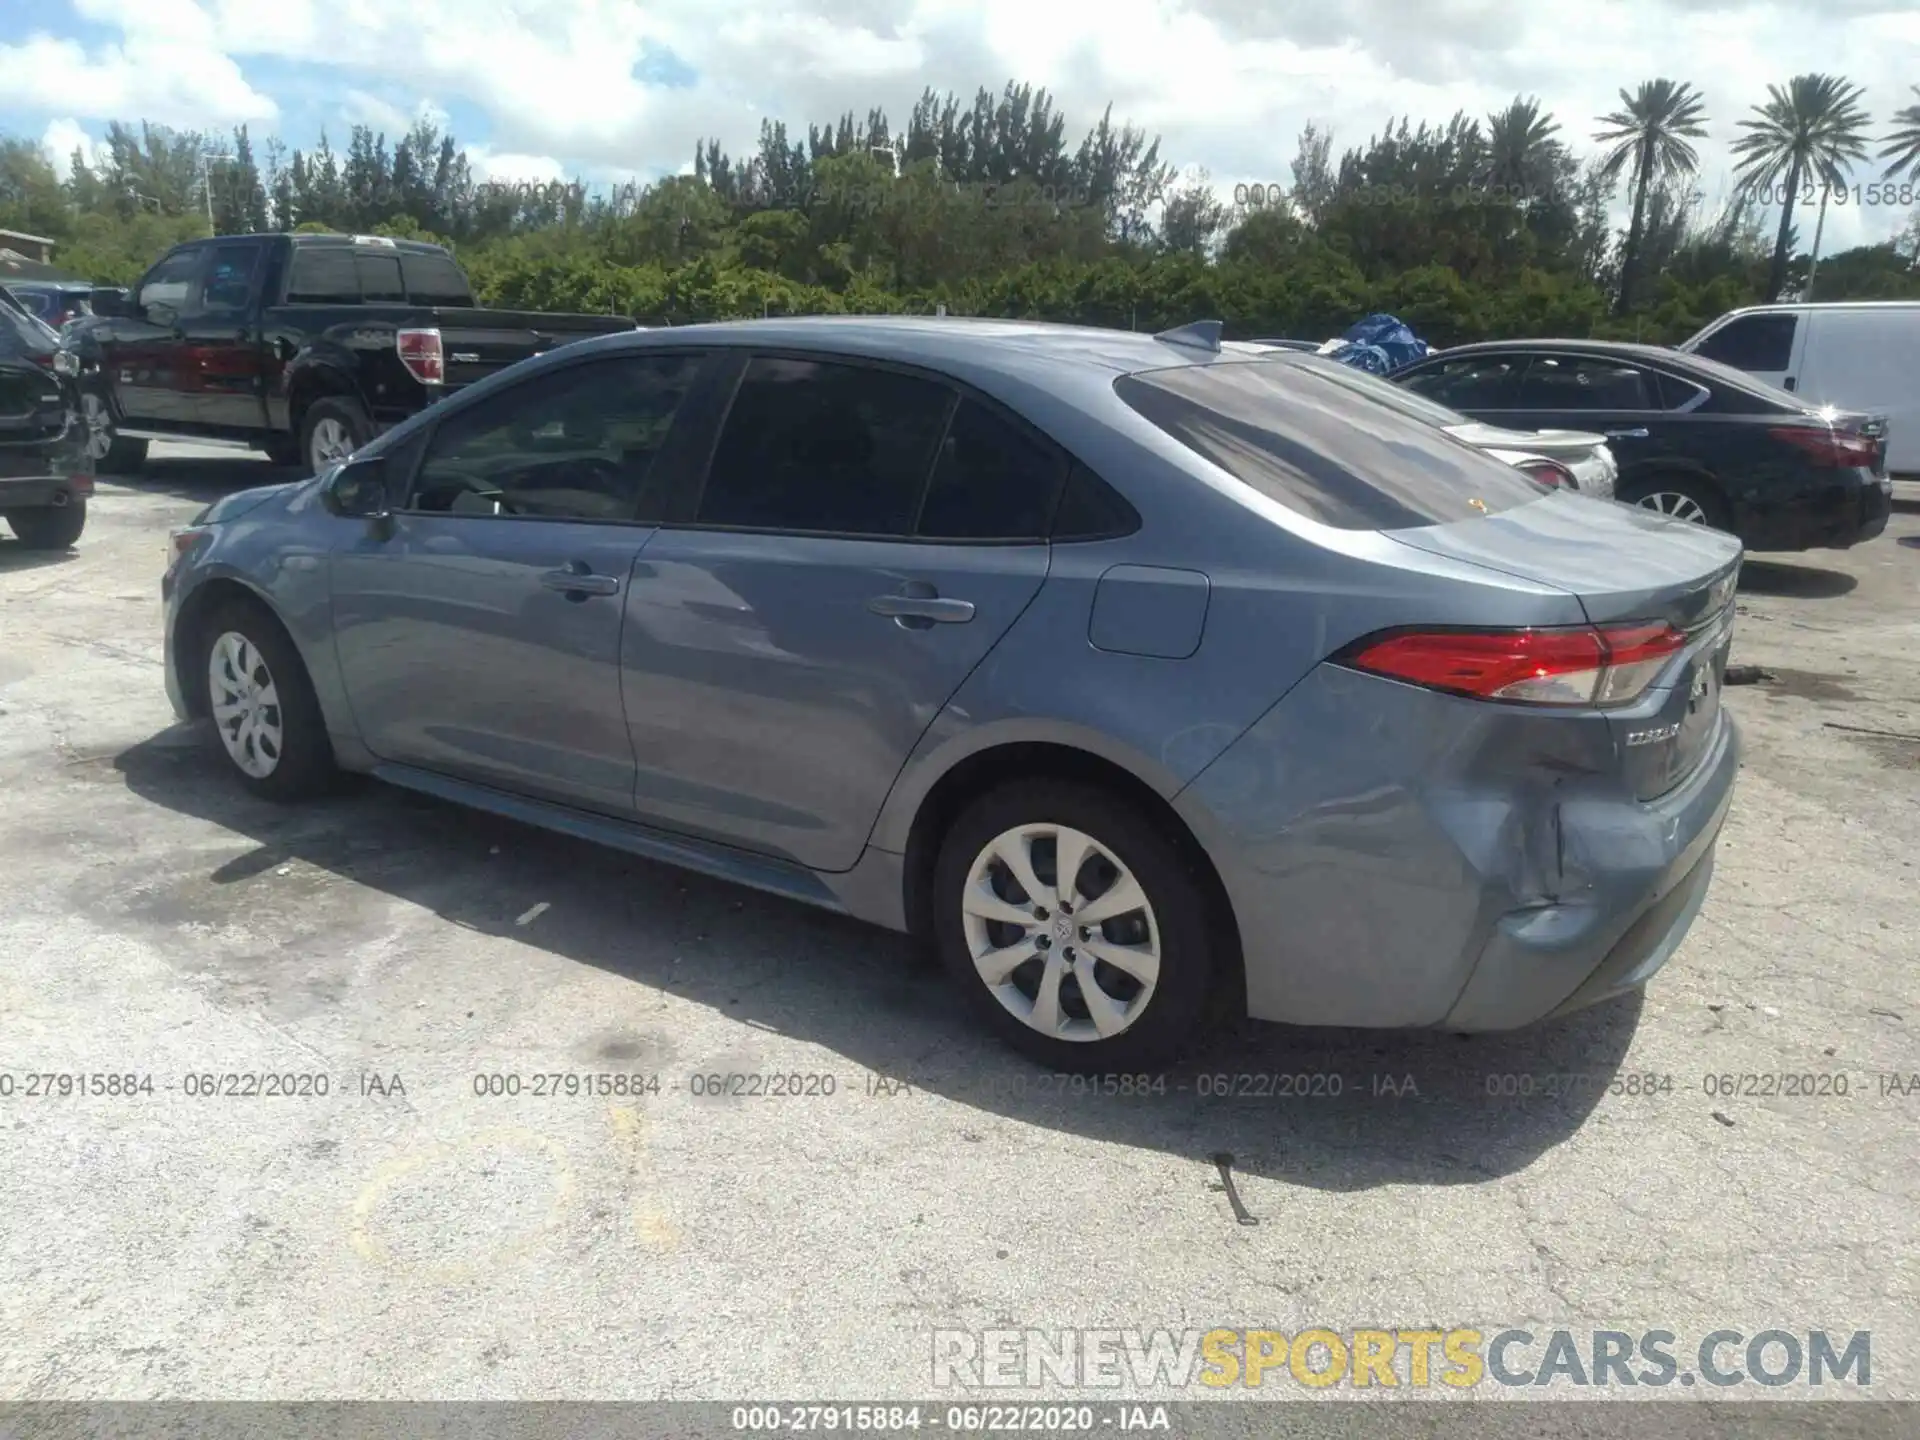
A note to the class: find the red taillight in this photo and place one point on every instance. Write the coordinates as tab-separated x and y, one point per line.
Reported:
80	483
422	354
1550	473
1829	449
1610	665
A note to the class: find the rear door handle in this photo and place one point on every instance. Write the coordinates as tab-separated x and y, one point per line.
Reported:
1636	434
577	582
928	609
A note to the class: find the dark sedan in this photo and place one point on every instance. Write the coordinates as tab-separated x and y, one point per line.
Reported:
1694	439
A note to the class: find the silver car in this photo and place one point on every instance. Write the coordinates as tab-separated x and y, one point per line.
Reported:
1146	678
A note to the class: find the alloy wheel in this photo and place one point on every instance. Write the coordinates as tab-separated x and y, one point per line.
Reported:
331	444
99	427
1061	933
246	704
1675	504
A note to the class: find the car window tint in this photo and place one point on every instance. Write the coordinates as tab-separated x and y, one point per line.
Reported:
323	275
1091	509
1675	393
579	443
379	277
1472	382
1577	382
168	282
1322	449
23	334
1753	342
434	279
228	283
992	480
820	446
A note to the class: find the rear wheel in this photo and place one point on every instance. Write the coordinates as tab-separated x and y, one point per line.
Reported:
49	528
1682	498
263	705
112	453
1075	927
331	430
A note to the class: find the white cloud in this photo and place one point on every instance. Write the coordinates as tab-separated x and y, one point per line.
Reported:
62	138
505	168
1228	83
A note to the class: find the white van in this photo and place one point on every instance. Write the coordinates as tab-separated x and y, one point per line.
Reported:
1859	355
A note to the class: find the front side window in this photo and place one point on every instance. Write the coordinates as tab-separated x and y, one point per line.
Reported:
579	443
168	282
1471	382
820	446
1753	342
228	283
1321	448
1578	382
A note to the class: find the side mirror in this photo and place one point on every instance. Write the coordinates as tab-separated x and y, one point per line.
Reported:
111	301
358	489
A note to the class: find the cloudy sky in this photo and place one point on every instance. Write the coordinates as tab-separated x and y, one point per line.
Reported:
610	90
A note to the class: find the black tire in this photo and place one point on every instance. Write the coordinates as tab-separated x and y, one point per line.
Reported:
1702	493
1178	1003
331	409
305	765
48	528
122	456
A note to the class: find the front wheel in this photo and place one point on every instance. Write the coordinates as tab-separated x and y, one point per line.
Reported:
1077	930
112	453
263	706
50	528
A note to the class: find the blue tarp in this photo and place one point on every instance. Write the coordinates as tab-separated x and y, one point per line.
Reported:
1379	344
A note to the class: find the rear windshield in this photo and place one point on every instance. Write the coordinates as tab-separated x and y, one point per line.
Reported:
1407	402
1320	446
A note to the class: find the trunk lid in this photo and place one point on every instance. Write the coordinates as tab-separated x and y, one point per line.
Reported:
1554	444
1865	424
1624	565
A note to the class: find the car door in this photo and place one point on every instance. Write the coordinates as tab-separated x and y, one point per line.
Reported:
144	350
864	536
1767	344
218	381
478	628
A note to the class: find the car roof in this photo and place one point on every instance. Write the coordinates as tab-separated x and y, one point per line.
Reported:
939	341
1615	349
1792	305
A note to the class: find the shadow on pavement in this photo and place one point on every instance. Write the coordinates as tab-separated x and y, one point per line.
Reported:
206	476
1422	1108
16	557
1803	582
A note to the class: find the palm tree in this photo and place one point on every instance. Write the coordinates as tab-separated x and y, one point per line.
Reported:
1902	150
1814	129
1651	131
1520	145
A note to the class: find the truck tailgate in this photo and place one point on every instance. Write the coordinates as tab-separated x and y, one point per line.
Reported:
479	342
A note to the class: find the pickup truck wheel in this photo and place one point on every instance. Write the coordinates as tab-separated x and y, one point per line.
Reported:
49	528
332	429
112	453
262	704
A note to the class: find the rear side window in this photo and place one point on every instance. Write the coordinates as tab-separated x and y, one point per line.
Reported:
1091	509
812	445
1753	342
992	480
1577	382
1472	382
379	278
1322	449
323	275
433	279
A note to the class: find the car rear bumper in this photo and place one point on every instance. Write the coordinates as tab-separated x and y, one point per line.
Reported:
1388	865
34	492
1835	518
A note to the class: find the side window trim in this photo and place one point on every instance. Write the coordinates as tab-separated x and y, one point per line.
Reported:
728	382
674	458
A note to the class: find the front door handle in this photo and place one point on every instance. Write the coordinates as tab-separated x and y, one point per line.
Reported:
576	581
917	611
1640	433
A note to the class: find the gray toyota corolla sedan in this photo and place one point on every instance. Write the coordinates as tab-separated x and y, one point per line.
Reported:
1145	678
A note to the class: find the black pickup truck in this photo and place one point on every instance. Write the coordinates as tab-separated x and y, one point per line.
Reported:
304	346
